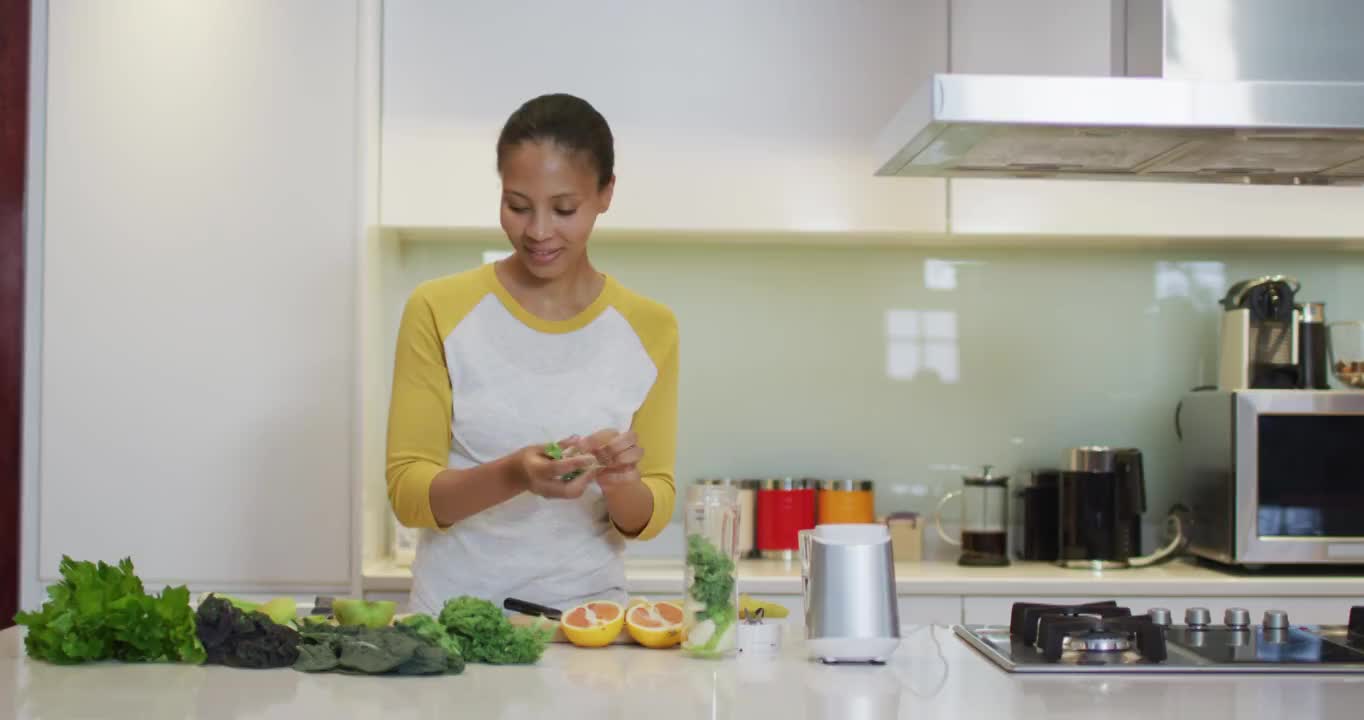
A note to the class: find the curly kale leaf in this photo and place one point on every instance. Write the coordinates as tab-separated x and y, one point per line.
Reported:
485	635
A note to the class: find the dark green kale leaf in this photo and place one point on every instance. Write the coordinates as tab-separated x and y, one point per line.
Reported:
430	628
318	657
246	640
373	651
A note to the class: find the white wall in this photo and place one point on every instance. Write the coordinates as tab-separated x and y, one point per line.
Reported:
749	116
198	280
30	590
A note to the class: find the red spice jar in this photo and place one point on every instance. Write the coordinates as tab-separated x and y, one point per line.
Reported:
785	507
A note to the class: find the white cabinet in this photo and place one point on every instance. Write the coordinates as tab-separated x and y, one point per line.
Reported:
1177	211
984	610
198	291
930	609
744	117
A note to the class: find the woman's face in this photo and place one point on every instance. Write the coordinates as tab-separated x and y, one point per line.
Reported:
550	201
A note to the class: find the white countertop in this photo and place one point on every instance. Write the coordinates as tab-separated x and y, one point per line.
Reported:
947	578
934	675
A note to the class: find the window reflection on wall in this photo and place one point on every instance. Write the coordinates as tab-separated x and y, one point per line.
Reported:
922	341
941	274
1201	282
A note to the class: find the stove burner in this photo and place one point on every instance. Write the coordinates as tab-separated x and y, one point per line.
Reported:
1025	617
1097	641
1091	628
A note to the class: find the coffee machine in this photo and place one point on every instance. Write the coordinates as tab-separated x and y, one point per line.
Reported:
1259	346
1102	494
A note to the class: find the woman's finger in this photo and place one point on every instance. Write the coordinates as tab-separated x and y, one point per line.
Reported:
630	456
619	444
596	441
574	488
560	468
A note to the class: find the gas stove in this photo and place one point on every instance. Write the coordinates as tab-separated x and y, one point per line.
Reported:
1103	637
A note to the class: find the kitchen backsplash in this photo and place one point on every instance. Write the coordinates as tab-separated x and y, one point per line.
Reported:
914	366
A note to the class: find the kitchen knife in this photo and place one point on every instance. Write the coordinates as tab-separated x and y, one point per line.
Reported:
526	607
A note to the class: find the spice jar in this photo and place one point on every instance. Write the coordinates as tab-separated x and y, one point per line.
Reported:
785	507
710	609
846	501
748	498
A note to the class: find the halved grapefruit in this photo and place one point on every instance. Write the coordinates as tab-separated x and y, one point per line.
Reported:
593	624
655	625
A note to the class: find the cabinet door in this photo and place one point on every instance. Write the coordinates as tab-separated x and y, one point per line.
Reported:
930	609
198	290
1306	610
1111	209
752	116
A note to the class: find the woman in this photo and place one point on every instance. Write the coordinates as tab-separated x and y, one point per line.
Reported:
494	363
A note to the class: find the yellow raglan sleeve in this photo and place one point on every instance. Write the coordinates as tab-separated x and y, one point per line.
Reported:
418	415
655	423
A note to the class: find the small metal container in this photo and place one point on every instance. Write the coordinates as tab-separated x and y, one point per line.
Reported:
785	506
846	501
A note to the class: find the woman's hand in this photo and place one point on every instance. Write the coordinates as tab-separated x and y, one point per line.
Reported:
629	502
544	476
618	454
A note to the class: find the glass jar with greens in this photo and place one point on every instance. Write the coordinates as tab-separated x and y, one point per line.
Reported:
711	595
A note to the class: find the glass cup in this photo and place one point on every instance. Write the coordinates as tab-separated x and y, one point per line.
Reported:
1346	348
711	596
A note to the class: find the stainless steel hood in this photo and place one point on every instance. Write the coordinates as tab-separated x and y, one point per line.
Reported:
1264	92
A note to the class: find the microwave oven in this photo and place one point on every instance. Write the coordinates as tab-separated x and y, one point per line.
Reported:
1273	477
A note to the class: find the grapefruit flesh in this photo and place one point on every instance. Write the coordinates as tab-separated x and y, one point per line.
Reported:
655	625
593	624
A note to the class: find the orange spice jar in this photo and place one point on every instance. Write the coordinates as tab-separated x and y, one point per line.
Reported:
846	501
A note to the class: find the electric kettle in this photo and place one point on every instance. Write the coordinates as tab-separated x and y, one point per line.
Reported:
848	583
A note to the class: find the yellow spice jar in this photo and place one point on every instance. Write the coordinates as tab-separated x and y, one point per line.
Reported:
846	501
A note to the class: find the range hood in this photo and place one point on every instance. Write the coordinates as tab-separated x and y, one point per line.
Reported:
1250	91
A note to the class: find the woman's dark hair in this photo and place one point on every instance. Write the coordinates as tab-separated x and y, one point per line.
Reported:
569	122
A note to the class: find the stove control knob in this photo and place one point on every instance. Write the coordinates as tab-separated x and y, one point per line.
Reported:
1275	620
1197	617
1159	616
1236	618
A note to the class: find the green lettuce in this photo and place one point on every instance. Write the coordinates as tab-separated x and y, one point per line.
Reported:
100	612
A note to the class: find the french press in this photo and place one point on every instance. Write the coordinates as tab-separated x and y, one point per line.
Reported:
984	518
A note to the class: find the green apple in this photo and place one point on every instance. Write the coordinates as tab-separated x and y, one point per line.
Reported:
376	614
281	609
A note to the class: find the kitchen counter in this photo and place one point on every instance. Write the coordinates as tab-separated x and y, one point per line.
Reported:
934	674
773	577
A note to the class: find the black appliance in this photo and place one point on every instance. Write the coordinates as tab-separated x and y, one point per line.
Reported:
1039	505
1102	496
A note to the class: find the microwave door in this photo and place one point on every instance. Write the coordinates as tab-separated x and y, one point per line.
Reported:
1300	479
